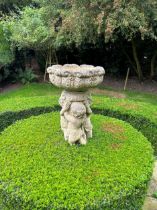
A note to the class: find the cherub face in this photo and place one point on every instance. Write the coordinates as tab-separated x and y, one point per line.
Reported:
78	109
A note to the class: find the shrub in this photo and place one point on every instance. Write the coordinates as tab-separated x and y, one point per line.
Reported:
140	115
8	118
39	170
19	104
25	76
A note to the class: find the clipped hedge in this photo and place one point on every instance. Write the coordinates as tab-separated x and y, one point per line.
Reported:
8	118
141	123
39	170
142	116
137	114
126	106
23	103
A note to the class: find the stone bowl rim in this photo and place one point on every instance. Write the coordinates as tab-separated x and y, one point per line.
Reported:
75	70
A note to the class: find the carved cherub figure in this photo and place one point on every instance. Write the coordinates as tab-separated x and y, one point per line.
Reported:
75	122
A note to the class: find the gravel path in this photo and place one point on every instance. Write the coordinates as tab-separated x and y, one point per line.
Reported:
9	87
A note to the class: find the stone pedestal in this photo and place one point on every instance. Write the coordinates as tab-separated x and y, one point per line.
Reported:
75	116
75	100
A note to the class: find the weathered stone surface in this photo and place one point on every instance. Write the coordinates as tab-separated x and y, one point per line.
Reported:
150	202
75	100
75	116
74	77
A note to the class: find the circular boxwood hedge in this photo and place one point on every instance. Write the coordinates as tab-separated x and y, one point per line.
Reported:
39	170
142	116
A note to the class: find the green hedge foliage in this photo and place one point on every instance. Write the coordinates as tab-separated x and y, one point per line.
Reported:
140	115
8	118
143	124
23	103
39	170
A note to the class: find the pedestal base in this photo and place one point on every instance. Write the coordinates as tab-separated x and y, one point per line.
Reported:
75	116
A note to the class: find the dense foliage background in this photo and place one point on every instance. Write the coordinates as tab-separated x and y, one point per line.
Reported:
116	34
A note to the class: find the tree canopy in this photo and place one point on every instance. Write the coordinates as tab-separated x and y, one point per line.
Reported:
45	24
6	51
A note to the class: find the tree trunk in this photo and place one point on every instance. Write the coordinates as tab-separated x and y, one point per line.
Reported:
152	73
138	65
1	66
51	59
129	59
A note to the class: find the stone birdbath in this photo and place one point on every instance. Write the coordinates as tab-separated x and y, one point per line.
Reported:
75	99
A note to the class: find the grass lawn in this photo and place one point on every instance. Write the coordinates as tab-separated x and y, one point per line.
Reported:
30	90
45	89
136	95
